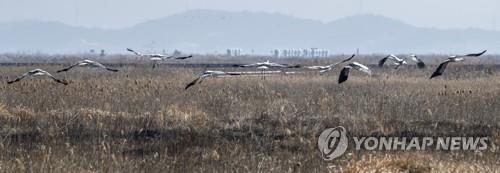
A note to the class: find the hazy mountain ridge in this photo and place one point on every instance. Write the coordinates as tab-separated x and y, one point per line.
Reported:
209	31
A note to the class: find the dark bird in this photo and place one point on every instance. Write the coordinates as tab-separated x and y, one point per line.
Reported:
344	74
455	58
37	72
88	63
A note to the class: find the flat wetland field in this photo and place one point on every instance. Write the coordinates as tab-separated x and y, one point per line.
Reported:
142	120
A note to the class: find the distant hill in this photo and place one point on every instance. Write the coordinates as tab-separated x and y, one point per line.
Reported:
208	31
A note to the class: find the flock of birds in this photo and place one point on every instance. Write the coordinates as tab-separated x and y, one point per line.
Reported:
40	72
344	73
343	76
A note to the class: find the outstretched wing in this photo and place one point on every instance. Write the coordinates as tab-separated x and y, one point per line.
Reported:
97	64
361	68
184	57
470	55
440	70
294	66
250	65
382	61
58	80
321	72
190	84
110	69
314	67
18	79
276	65
344	74
477	54
348	59
53	78
233	73
133	51
68	68
343	61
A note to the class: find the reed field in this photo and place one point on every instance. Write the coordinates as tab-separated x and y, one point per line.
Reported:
142	120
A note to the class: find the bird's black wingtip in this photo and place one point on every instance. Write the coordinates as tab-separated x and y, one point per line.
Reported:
63	70
478	54
62	81
434	75
296	66
421	65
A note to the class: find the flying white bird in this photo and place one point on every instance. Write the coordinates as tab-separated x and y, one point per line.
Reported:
181	57
37	72
263	66
344	74
455	58
420	63
156	58
327	68
267	64
152	57
396	61
88	63
209	73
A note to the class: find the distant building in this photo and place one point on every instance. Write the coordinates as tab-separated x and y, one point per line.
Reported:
177	52
276	53
103	53
233	52
308	53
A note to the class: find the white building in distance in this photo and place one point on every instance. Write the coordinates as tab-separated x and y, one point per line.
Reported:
308	53
233	52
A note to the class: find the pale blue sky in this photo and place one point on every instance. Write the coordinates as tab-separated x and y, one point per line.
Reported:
483	14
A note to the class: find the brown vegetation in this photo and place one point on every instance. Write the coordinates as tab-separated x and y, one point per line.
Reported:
142	120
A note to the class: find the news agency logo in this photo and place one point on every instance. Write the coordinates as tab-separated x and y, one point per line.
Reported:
333	143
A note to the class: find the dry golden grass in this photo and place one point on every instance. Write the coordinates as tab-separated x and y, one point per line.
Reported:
142	120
